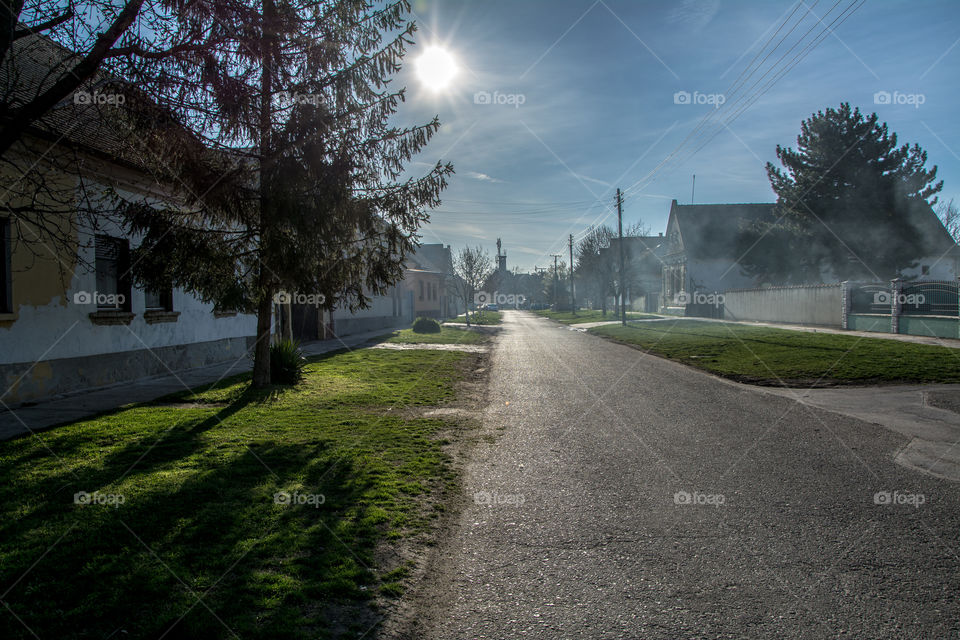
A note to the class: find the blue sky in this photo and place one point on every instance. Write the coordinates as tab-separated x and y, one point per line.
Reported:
582	101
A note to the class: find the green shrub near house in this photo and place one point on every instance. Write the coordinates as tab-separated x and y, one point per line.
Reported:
426	325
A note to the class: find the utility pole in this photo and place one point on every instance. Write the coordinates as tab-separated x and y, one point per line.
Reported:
693	188
556	277
573	295
623	309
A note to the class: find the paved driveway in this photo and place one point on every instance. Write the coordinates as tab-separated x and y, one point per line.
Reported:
625	496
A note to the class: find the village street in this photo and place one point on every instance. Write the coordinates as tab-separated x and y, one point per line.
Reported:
626	496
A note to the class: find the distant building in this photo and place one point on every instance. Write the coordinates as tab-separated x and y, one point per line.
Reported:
705	248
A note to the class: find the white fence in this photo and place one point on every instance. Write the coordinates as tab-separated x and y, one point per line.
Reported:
804	304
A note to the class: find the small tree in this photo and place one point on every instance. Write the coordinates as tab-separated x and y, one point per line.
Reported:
472	267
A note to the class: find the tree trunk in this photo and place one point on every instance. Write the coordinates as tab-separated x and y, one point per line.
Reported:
261	351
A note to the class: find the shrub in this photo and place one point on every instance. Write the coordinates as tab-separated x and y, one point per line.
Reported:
286	362
426	325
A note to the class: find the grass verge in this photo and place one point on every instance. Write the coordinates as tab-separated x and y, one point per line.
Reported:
231	512
447	335
591	315
769	356
481	317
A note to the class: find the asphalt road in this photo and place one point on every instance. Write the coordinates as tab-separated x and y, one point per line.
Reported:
625	496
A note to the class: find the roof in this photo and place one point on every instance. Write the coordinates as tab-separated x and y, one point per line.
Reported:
35	63
432	257
711	231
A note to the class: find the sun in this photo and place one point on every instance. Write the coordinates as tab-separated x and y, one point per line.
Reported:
436	68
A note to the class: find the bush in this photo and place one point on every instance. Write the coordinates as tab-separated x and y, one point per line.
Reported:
286	362
426	325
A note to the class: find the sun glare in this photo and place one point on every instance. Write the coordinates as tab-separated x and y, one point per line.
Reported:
436	68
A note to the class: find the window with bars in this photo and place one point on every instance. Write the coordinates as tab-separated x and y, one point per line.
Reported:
113	265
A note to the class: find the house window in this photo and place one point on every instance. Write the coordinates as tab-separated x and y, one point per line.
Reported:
925	270
158	301
113	265
6	280
421	289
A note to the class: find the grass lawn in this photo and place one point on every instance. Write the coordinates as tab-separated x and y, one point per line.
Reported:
485	317
764	355
447	335
590	315
272	507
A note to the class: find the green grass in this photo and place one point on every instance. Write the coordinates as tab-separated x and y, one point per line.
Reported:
590	315
481	317
448	335
198	477
765	355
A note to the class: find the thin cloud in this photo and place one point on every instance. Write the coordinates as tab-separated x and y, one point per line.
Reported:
476	175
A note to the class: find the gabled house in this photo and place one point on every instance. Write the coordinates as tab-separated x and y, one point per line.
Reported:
428	280
702	251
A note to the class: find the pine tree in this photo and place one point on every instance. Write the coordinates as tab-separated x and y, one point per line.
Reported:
847	199
296	181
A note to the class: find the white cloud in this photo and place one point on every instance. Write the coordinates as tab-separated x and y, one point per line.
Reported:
476	175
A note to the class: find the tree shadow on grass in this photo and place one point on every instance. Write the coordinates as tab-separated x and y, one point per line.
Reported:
204	551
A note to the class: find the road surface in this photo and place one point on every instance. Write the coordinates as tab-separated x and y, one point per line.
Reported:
626	496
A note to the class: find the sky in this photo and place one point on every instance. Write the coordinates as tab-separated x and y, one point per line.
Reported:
557	103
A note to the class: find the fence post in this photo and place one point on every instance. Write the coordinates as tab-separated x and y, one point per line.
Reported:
846	304
896	291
